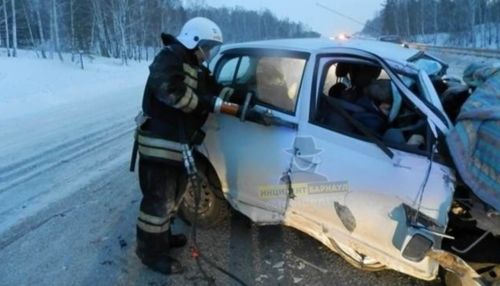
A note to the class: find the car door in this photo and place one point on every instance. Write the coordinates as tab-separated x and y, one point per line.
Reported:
251	158
358	195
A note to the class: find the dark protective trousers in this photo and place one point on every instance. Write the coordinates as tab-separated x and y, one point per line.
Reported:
159	183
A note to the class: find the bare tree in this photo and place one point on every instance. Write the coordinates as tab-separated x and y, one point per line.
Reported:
40	29
124	28
72	24
28	24
6	24
56	29
14	29
404	17
102	42
472	21
119	12
435	19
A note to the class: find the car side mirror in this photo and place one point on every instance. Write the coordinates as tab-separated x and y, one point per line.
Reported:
416	245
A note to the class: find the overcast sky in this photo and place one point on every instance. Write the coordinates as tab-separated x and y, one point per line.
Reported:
309	13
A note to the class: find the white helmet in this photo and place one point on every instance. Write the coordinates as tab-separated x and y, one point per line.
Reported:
198	31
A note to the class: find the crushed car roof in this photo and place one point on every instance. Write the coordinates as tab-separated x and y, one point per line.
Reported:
324	45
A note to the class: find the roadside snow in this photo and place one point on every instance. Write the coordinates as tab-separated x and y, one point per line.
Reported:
484	37
29	85
61	126
458	63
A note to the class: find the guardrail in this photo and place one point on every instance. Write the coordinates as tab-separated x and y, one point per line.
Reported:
485	53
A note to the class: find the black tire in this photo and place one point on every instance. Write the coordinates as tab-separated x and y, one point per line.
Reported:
213	208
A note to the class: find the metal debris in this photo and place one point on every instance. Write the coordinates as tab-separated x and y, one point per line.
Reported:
279	264
122	242
261	277
453	263
322	270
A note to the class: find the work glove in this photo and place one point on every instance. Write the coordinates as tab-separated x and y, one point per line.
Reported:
217	104
235	94
230	100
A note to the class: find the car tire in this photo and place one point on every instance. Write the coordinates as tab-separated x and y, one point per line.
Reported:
213	208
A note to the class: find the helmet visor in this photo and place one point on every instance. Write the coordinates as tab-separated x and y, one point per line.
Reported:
209	49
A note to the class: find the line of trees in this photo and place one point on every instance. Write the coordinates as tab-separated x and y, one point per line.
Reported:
127	29
469	22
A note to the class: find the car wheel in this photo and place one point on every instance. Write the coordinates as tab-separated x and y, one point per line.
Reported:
213	207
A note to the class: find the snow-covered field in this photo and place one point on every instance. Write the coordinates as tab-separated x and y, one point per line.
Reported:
485	37
458	63
52	115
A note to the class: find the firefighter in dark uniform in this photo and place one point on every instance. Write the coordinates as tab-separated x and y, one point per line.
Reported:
179	95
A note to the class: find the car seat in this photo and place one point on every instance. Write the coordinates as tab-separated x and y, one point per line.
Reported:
341	72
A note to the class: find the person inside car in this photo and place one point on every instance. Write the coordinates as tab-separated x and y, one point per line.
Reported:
376	101
367	100
361	75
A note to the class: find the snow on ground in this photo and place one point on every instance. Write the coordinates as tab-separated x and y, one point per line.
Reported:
458	63
485	37
29	85
58	120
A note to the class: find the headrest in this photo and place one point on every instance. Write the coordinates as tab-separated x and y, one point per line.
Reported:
342	69
363	75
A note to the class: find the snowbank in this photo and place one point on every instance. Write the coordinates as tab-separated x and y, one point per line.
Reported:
484	37
29	85
61	127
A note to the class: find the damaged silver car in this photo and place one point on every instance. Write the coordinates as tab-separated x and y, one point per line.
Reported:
349	147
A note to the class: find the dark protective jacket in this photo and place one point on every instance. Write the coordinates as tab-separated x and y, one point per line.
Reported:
178	91
176	104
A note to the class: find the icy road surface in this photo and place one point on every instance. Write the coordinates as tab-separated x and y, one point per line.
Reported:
68	203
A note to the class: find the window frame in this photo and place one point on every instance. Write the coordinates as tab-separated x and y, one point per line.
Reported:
240	53
315	89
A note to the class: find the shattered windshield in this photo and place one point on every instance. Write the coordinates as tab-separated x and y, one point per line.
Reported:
431	67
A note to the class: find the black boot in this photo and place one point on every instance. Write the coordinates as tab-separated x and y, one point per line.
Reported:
159	262
176	240
153	251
